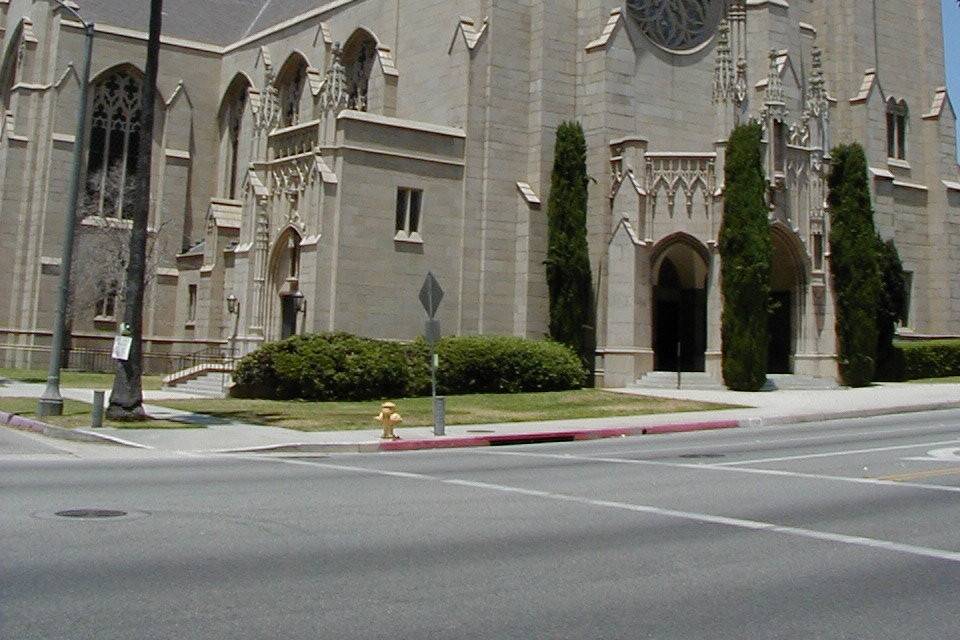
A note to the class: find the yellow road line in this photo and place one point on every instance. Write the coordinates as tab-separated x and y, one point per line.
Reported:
916	475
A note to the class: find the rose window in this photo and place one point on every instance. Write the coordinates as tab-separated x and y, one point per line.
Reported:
677	25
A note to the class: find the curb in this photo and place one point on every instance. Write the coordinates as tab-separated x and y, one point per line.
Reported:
61	433
493	440
488	440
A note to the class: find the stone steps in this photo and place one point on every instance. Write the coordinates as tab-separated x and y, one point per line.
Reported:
668	380
212	385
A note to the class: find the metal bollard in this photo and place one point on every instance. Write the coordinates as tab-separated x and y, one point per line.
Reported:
96	417
439	415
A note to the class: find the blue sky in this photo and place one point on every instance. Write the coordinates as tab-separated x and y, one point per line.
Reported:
951	38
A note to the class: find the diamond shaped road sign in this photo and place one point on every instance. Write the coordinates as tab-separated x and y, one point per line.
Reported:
430	295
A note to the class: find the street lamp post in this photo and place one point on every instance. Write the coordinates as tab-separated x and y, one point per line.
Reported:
51	402
233	309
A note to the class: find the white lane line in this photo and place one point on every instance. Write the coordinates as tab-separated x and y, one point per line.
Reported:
832	454
752	525
715	467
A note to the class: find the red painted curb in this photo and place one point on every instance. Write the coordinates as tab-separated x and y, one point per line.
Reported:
493	440
696	426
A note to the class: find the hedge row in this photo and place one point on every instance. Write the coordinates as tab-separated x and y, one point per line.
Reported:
340	366
927	359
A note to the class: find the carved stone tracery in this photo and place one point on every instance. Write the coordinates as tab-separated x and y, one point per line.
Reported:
677	25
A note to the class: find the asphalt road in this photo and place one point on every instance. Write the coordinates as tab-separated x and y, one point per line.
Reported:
842	530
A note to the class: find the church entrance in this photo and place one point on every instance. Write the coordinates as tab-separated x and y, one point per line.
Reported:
680	310
779	348
783	319
286	301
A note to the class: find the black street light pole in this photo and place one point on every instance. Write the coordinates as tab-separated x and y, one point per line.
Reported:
51	402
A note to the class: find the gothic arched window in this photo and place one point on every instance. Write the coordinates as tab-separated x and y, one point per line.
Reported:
359	54
232	123
290	84
115	131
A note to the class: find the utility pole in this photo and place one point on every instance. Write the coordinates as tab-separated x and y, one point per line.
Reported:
51	402
126	398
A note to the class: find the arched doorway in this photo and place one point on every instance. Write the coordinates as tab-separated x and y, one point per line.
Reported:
786	290
284	285
680	306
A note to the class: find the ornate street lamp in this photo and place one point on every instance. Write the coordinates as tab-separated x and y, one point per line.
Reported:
51	402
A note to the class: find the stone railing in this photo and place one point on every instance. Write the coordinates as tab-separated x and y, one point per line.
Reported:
297	140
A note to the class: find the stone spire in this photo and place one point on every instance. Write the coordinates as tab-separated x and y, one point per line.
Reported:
817	100
723	81
774	104
335	96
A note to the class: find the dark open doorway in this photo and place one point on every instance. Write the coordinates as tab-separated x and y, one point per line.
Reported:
780	333
679	321
288	316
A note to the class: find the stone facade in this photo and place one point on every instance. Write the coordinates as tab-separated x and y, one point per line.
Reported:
316	165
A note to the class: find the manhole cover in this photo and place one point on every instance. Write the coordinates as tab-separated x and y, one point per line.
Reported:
701	456
91	513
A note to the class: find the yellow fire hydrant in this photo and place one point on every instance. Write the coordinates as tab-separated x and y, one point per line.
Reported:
390	419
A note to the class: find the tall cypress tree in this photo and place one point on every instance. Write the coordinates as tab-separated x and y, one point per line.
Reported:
746	251
854	261
568	259
892	305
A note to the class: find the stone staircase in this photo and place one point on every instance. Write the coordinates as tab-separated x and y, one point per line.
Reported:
210	380
668	380
793	382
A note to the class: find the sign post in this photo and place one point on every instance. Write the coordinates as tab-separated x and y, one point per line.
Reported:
430	296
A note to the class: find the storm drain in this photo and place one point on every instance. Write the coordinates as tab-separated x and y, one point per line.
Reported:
701	456
91	514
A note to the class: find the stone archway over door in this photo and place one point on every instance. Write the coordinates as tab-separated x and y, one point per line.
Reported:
284	285
679	309
786	278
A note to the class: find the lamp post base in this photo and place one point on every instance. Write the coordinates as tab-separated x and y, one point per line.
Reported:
51	402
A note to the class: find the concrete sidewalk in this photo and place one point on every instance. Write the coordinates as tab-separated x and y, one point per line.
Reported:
765	408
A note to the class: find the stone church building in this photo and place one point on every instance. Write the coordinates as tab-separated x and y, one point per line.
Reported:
312	161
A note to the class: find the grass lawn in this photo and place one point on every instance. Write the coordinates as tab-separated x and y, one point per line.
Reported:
950	380
418	412
74	379
77	414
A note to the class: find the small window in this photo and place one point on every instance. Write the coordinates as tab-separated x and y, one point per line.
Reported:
818	252
897	129
191	303
779	147
106	305
409	203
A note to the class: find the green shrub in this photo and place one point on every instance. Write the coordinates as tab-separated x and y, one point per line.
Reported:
340	366
746	251
491	364
928	359
331	366
855	263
